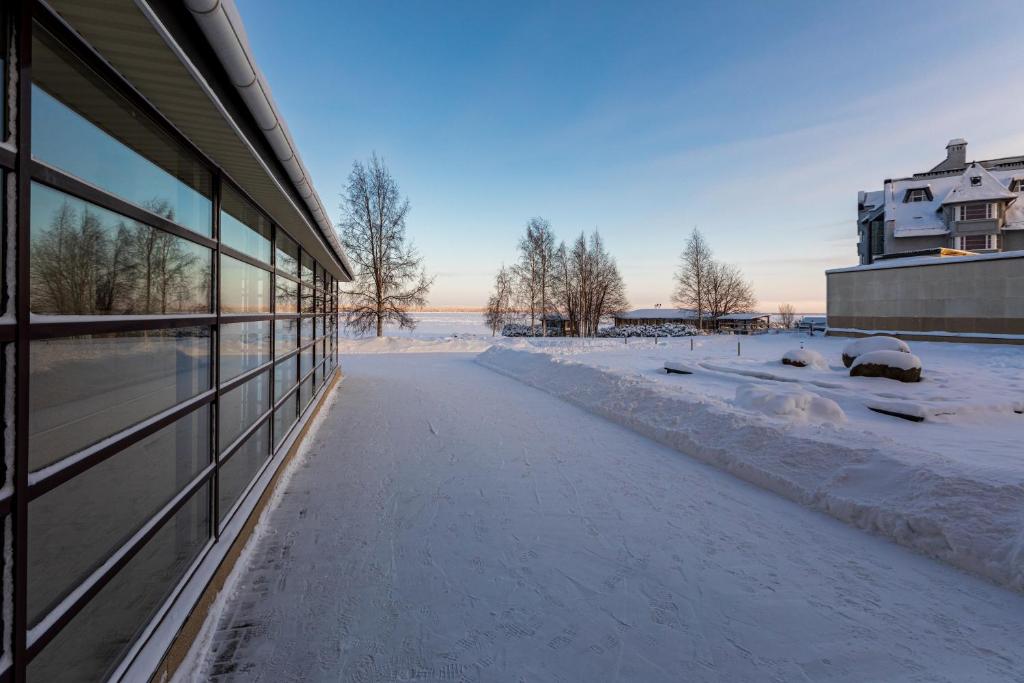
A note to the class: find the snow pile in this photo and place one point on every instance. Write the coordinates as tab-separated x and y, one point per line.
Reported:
789	401
868	344
928	502
666	330
805	358
904	360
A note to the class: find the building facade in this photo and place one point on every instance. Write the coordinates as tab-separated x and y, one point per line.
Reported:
169	322
958	205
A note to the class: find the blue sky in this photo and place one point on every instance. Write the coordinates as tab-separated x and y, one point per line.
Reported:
756	122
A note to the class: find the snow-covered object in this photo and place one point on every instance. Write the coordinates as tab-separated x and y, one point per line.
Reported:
868	344
963	513
679	368
789	402
802	358
905	367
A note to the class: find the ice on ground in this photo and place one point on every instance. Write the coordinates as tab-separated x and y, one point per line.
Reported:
807	358
904	360
789	401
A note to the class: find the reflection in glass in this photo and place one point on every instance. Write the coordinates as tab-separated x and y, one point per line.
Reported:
75	117
306	296
75	527
305	393
241	407
242	226
237	472
286	335
243	346
307	268
287	297
284	418
87	260
306	331
95	640
85	388
287	254
244	288
306	360
285	376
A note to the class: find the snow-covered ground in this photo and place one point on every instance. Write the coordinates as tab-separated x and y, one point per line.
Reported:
450	523
951	486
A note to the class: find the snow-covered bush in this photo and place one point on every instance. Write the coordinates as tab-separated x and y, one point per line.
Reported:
667	330
804	357
524	330
899	365
868	344
789	402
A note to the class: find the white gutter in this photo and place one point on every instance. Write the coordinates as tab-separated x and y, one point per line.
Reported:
222	25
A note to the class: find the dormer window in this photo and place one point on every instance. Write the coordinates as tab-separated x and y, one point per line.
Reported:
1017	185
918	194
975	181
975	212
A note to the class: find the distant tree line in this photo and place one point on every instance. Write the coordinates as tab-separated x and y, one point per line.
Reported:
578	281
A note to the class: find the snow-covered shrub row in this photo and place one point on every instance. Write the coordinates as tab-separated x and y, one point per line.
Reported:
524	330
667	330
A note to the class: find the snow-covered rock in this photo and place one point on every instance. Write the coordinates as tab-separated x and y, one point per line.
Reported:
899	365
869	344
802	358
789	402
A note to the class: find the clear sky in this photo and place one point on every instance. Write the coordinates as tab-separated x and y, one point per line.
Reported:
755	121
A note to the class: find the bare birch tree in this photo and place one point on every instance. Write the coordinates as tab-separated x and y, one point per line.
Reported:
787	314
533	272
695	265
389	276
727	291
499	309
587	284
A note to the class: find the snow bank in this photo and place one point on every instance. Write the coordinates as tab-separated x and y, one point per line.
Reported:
910	496
904	360
806	358
789	401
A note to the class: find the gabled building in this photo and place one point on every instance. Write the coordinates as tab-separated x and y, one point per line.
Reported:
969	206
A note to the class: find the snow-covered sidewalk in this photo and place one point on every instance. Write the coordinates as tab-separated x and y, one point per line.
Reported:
449	523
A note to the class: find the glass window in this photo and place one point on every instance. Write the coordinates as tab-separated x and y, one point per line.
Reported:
284	418
306	296
95	640
305	360
287	254
236	474
285	376
244	288
83	389
244	227
243	347
242	406
87	260
83	127
307	268
320	347
286	336
75	527
287	296
305	393
306	331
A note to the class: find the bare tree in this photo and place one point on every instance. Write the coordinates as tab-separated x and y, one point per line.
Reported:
389	277
787	314
533	272
499	310
727	291
695	266
587	284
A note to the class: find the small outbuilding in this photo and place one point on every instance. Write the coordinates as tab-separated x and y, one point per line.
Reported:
743	323
657	316
556	325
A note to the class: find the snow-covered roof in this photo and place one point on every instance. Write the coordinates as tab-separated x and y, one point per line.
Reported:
923	229
928	261
663	313
743	316
977	184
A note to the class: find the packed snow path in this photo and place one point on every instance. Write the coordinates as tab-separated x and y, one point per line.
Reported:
449	523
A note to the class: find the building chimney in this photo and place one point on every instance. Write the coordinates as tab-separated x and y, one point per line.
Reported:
956	153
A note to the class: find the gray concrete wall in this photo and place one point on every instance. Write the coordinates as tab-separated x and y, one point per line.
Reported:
950	295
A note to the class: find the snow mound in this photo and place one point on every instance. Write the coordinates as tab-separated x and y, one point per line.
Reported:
907	494
805	358
868	344
904	360
789	402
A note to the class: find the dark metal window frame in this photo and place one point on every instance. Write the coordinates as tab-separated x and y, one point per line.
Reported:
16	159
